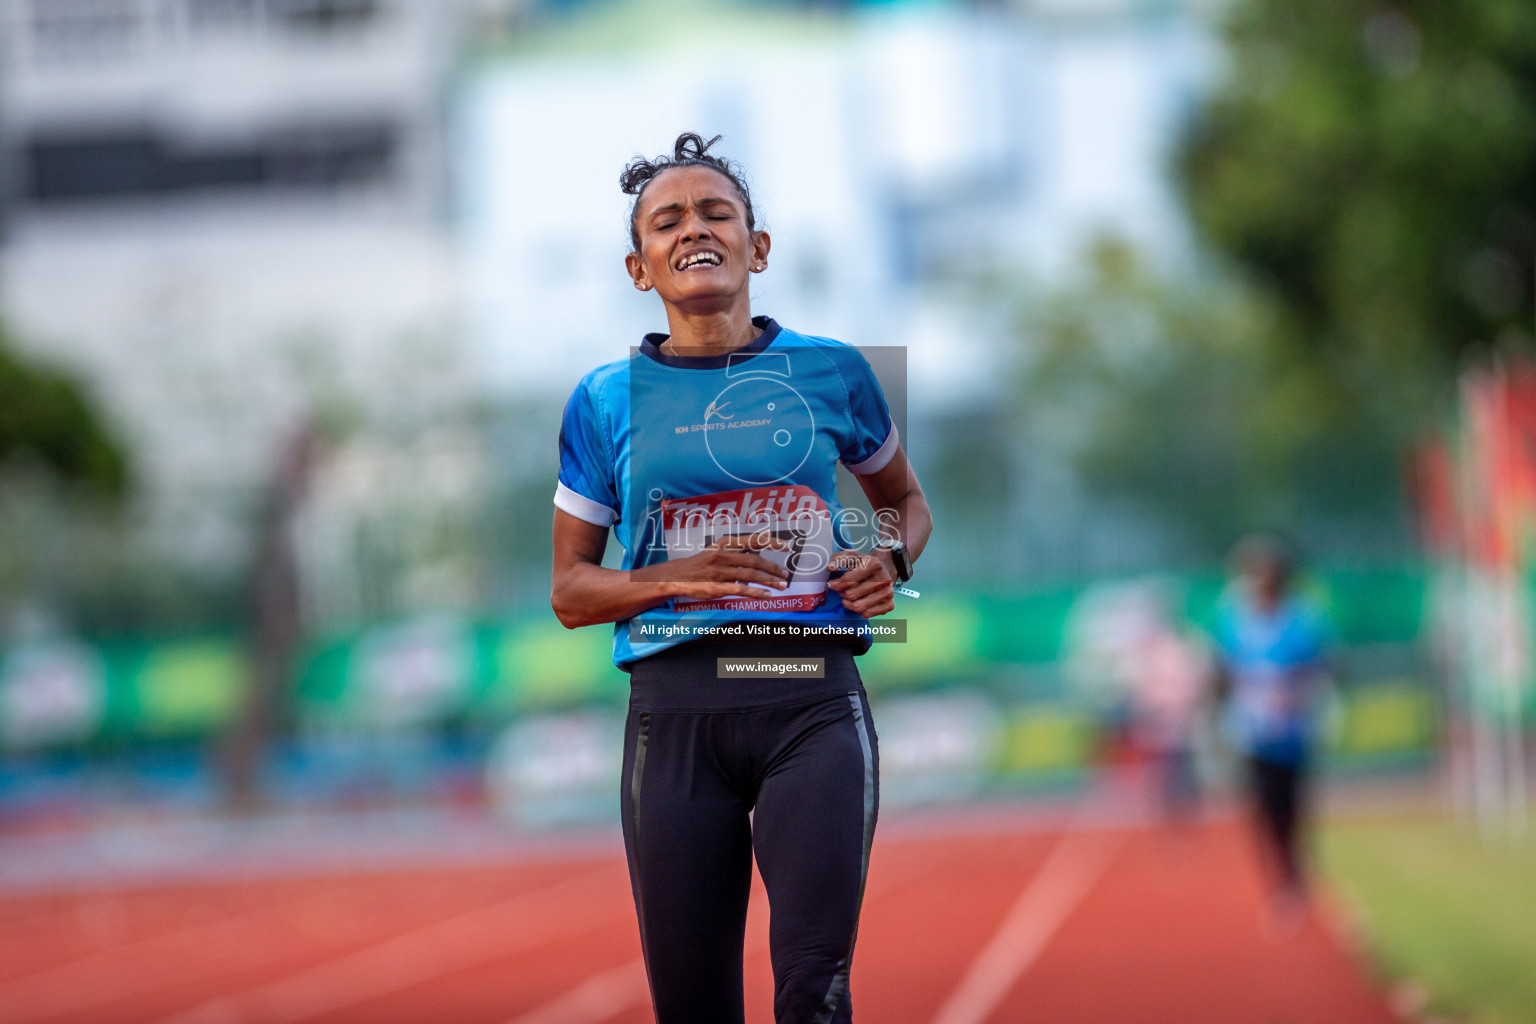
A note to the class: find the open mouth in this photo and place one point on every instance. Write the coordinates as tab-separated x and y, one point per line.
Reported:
702	258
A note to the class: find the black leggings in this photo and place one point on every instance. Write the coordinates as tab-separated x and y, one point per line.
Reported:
806	770
1279	797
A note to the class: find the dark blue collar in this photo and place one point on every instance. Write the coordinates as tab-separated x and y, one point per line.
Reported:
651	346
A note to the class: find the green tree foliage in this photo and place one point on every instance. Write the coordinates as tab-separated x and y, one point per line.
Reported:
1186	400
44	415
1374	165
1364	174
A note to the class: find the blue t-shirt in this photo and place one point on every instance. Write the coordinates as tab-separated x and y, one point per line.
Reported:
676	451
1275	660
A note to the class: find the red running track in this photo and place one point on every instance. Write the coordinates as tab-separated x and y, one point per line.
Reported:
959	927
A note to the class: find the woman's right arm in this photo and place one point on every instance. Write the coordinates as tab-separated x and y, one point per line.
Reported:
583	593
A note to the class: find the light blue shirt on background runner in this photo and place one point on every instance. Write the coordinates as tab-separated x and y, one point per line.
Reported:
1276	661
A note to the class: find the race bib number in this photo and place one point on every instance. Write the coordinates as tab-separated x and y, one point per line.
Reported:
792	514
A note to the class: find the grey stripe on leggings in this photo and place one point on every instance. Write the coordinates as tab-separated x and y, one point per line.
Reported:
636	775
839	986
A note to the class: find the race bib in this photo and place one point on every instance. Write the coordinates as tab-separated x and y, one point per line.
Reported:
793	514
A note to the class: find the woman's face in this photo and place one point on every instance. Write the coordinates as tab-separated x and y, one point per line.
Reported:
695	248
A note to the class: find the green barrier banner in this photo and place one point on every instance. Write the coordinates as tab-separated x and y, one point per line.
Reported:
993	662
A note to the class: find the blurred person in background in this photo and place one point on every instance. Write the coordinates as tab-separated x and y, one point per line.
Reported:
1272	644
1130	653
675	429
1169	672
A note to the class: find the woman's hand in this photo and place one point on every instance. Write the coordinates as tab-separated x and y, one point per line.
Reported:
584	593
727	568
865	586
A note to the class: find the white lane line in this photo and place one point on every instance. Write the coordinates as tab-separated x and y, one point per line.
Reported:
466	940
146	964
124	970
600	997
606	994
1068	874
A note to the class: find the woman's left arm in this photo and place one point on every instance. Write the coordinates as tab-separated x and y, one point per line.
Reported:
901	513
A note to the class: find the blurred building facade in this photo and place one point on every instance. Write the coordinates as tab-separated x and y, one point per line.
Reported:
899	158
226	214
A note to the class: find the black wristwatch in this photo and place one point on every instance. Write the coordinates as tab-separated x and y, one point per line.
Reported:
900	558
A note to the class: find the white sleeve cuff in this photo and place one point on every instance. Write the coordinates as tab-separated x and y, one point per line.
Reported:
583	507
883	455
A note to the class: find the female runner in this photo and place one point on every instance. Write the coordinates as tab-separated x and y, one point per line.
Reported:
712	453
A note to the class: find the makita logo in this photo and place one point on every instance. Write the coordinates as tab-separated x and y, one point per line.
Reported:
741	508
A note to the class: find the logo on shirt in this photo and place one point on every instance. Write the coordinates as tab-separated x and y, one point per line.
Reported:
758	429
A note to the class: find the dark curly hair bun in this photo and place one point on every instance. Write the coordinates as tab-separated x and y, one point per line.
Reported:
690	150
